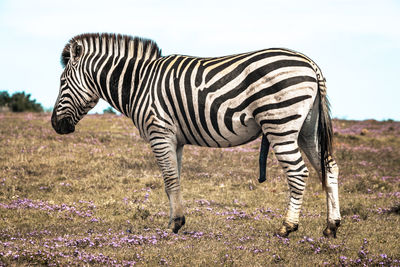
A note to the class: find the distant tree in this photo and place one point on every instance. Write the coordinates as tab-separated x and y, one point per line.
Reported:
109	110
4	98
19	102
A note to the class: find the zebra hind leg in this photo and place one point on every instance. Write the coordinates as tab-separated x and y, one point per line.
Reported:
308	141
332	199
288	154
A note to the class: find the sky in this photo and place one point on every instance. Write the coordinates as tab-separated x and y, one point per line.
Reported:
356	43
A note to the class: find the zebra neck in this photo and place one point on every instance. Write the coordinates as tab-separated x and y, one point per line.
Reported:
119	82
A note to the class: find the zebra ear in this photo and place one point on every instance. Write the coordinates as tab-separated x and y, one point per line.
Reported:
76	51
65	56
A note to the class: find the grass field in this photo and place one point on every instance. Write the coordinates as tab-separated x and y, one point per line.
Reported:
96	197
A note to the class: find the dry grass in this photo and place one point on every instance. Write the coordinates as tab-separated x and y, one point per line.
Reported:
96	197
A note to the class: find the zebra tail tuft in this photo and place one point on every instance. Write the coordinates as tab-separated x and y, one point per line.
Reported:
325	132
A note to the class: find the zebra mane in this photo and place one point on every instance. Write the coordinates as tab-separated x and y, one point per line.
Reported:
148	48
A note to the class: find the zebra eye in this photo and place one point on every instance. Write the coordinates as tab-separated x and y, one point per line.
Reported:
77	51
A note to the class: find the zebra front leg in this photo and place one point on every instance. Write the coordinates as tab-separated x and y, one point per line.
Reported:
289	156
169	155
332	199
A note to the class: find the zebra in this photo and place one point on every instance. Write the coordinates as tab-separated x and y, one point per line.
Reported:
175	100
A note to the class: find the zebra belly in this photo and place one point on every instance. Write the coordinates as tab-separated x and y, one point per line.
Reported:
246	130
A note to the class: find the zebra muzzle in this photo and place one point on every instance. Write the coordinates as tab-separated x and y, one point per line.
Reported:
63	126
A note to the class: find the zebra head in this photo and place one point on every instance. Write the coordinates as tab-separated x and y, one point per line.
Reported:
76	96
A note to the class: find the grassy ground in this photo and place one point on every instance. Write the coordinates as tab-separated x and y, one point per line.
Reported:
96	197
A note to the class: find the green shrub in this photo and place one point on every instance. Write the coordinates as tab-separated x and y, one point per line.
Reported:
109	110
19	102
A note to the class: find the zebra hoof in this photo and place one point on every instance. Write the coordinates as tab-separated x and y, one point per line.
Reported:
177	224
331	229
286	229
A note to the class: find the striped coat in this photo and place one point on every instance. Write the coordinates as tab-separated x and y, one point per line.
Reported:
216	102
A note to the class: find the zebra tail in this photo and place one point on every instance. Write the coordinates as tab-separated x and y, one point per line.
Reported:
324	128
